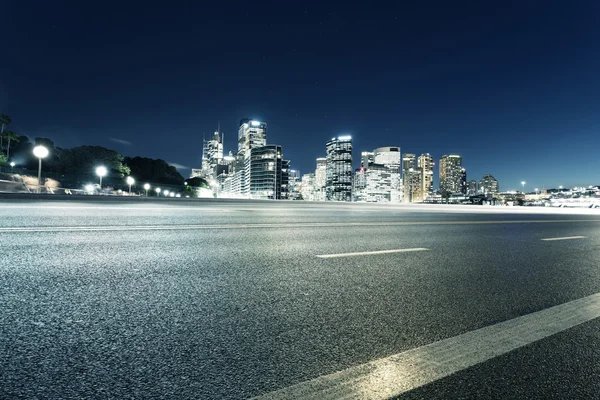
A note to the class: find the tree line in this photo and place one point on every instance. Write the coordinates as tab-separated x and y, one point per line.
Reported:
81	160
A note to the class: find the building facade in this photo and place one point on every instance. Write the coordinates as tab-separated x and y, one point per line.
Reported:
266	172
450	174
426	164
472	187
338	185
489	185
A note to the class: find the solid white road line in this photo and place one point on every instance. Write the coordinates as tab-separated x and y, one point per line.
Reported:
274	226
565	238
368	253
399	373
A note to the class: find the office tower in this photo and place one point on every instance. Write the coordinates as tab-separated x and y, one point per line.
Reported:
450	174
359	189
413	185
463	181
425	163
409	169
472	187
308	187
294	183
366	158
382	175
266	170
251	134
212	155
339	169
320	178
489	185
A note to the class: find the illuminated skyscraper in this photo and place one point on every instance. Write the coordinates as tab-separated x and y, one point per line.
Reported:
472	187
463	181
212	155
426	165
411	183
450	174
489	185
339	169
251	134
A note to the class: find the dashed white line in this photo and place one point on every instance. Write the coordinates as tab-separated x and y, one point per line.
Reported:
565	238
368	253
399	373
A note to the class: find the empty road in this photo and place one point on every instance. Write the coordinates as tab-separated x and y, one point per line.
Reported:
276	300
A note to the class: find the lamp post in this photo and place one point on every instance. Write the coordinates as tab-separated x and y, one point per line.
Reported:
157	191
101	172
130	181
523	183
12	166
146	188
166	193
40	152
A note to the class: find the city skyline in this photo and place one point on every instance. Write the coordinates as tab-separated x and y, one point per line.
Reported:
508	91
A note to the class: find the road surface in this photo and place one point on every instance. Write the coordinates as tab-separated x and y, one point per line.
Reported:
233	300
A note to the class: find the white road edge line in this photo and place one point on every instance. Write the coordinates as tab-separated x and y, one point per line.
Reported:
399	373
368	253
565	238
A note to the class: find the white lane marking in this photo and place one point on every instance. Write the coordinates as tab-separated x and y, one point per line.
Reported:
368	253
287	225
565	238
399	373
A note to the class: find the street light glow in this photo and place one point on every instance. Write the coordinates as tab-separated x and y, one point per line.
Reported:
89	188
40	152
101	171
147	186
157	190
12	164
130	180
172	194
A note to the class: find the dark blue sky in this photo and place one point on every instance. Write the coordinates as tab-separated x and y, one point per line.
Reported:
511	86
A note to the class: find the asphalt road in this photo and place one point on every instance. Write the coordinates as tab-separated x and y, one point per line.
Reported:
230	300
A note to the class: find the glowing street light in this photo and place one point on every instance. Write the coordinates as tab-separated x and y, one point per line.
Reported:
523	183
101	171
12	166
166	193
146	188
130	181
40	152
171	194
157	191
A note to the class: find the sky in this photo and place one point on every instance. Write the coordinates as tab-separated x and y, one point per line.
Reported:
511	86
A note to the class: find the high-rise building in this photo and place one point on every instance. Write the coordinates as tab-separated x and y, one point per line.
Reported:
409	170
366	158
359	188
251	134
320	178
339	169
266	170
489	185
413	185
382	175
463	181
426	165
450	174
472	187
212	155
308	187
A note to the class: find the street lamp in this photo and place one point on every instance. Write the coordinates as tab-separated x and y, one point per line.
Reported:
166	193
523	183
12	166
172	194
130	181
101	172
157	191
146	188
536	190
40	152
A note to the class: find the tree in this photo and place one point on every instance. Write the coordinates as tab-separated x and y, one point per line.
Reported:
154	171
10	136
4	120
85	159
3	159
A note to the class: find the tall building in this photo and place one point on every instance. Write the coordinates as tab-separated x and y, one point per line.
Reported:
409	170
383	182
426	165
212	155
366	158
489	185
320	178
339	169
251	134
308	187
463	181
359	188
450	174
295	182
266	172
472	187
